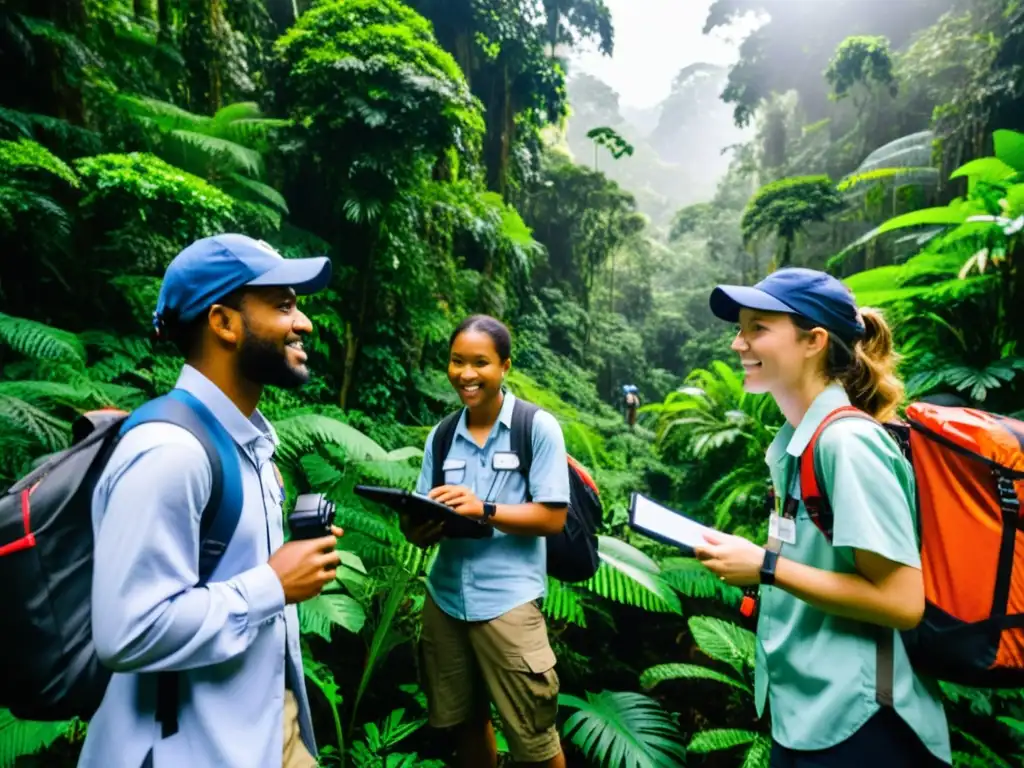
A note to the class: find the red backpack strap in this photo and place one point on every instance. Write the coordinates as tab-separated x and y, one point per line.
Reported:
813	495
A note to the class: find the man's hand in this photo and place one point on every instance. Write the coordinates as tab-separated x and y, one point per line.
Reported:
304	567
460	499
423	535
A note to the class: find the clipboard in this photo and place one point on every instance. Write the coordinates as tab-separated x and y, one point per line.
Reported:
658	522
422	507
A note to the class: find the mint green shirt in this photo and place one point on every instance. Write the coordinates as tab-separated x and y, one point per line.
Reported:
816	670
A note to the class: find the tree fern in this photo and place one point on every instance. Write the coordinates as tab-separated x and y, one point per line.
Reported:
724	641
662	672
19	738
626	575
622	730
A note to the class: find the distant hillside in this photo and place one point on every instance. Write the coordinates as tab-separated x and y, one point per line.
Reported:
679	143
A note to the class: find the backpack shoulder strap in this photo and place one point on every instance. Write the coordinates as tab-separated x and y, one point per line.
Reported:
444	435
224	508
521	439
812	492
220	515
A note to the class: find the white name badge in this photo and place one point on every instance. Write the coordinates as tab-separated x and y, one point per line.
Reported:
505	461
782	528
453	464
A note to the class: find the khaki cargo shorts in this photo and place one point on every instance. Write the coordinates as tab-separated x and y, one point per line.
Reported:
507	660
295	753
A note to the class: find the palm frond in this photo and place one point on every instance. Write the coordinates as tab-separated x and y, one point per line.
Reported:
626	575
623	730
662	672
563	603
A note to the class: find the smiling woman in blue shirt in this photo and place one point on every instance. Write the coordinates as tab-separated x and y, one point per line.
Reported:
484	637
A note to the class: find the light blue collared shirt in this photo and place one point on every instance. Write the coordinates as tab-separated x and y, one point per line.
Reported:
234	640
481	579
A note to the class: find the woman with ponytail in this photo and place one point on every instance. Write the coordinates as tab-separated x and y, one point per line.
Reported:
827	609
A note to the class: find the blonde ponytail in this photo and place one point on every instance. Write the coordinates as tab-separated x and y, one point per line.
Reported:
870	380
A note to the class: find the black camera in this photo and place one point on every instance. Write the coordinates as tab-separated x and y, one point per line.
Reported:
312	517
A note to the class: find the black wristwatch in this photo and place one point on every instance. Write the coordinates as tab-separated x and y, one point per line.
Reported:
768	567
490	508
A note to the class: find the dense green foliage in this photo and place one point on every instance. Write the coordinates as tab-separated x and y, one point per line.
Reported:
430	147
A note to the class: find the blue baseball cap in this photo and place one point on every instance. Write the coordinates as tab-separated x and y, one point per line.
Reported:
211	268
818	296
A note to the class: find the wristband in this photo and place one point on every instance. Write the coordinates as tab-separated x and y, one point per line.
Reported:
768	567
490	510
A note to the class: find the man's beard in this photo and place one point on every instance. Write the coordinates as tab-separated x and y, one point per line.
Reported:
263	362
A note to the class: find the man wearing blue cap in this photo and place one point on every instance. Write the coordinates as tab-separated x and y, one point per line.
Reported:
229	303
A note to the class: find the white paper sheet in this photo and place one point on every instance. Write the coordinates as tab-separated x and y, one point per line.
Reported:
654	518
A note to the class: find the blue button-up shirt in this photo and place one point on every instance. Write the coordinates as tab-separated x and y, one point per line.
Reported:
481	579
234	641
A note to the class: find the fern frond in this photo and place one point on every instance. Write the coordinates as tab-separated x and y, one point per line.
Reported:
301	434
692	579
241	158
615	729
721	738
257	191
53	433
626	575
759	754
40	341
563	603
724	641
662	672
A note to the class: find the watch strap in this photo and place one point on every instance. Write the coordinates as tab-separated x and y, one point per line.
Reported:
771	558
490	510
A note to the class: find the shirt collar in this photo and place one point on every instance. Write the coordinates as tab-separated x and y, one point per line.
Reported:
504	417
242	430
793	441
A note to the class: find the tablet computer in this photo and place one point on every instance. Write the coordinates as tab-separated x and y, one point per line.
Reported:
456	526
660	523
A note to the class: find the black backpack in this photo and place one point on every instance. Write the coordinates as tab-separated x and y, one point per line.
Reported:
572	554
48	665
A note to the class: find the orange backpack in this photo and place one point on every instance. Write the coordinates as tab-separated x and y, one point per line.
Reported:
969	470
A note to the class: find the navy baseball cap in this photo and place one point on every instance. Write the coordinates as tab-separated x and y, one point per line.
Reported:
211	268
818	296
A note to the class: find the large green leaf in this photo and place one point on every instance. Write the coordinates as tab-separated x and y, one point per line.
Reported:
299	434
623	730
626	575
323	611
724	641
19	738
662	672
1009	147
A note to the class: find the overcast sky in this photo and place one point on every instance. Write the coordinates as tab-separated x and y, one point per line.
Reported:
654	39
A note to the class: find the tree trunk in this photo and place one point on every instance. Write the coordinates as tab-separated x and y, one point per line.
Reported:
282	13
354	330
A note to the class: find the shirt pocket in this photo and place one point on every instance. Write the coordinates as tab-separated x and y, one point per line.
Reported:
454	471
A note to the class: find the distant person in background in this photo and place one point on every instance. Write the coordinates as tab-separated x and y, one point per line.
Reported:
484	637
632	403
830	662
